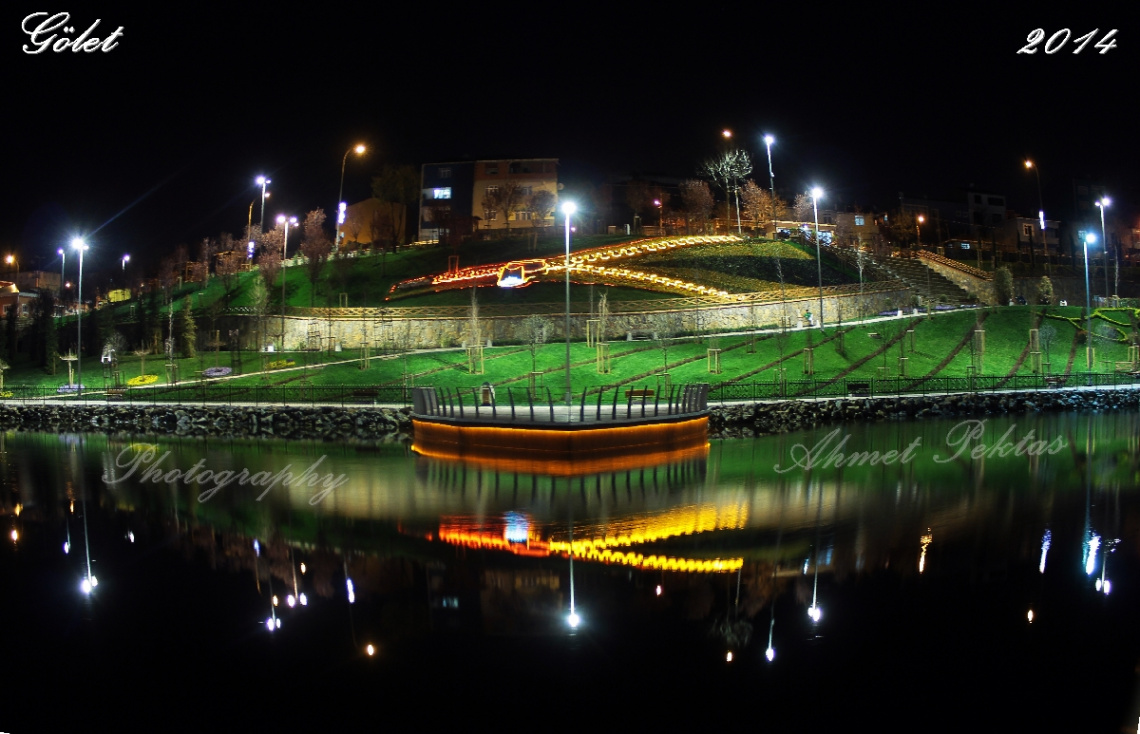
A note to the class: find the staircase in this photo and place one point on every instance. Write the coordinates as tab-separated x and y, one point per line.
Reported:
925	282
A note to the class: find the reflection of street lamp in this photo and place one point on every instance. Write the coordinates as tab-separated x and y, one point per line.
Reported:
1102	204
568	208
359	150
815	194
79	245
286	223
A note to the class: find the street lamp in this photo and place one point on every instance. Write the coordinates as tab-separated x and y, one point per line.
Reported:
1102	204
568	208
359	150
660	217
768	140
11	259
126	259
62	261
815	194
1089	239
1040	211
263	181
286	223
79	245
736	190
918	228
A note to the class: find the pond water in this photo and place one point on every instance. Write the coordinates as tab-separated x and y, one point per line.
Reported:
898	575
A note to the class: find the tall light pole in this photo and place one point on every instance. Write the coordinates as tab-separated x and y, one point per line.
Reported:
1102	204
286	223
359	150
13	260
1040	211
79	245
126	259
728	136
1089	238
62	261
567	209
815	194
263	181
768	140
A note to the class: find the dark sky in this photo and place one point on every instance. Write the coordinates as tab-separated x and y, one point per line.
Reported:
157	141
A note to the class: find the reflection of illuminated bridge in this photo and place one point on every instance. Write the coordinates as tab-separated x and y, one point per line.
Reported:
517	535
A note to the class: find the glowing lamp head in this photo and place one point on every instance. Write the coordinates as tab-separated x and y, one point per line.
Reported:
1090	238
574	620
569	208
817	193
727	134
262	180
768	140
359	149
59	251
370	650
1029	164
770	653
10	259
78	244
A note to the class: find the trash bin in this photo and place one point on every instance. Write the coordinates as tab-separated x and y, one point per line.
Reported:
488	393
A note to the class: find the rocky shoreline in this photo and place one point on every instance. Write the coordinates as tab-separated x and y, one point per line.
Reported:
761	419
381	424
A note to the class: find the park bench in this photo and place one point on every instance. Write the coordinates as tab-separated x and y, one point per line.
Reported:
1055	381
643	394
859	387
639	335
364	397
116	393
875	335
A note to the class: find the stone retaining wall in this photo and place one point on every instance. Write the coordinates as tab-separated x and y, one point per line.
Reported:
395	425
759	419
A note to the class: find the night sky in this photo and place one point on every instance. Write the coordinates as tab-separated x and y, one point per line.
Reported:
157	141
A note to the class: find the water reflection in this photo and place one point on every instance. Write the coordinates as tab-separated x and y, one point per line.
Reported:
699	550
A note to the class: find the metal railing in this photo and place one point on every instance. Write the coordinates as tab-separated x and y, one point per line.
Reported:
523	405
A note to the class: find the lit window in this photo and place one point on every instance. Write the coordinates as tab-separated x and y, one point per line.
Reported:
858	220
442	193
1027	230
492	190
526	190
523	216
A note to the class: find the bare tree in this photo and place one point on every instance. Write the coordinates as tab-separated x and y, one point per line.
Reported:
761	206
316	247
399	185
727	170
535	330
698	203
505	198
541	203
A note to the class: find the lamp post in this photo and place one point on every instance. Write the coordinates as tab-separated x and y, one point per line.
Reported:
815	194
660	217
263	181
567	209
13	260
1040	211
359	150
126	259
62	261
1089	238
79	245
768	140
286	223
1102	204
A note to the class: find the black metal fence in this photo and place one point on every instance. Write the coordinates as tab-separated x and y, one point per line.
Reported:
652	399
544	405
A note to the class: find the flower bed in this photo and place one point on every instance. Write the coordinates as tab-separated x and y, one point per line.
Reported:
217	371
142	380
5	394
69	388
278	364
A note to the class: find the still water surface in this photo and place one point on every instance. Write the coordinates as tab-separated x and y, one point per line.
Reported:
791	581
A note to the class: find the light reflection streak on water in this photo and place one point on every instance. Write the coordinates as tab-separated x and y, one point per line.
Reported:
1046	541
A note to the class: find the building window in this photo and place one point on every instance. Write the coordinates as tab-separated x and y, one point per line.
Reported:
526	190
492	215
523	216
492	190
996	201
977	198
858	220
445	173
491	169
1027	230
441	193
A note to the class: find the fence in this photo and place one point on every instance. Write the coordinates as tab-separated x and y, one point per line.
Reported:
596	403
621	403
